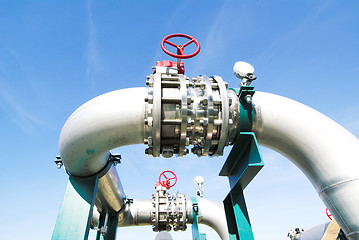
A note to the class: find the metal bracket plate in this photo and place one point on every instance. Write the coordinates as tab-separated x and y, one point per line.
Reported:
74	219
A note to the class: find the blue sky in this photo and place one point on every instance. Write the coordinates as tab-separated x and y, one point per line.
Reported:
56	55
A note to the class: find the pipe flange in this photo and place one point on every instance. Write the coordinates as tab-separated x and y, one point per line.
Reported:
209	118
179	217
180	113
161	214
225	115
184	141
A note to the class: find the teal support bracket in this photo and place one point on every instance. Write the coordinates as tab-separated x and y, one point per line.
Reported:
243	162
242	165
245	94
112	223
74	219
196	235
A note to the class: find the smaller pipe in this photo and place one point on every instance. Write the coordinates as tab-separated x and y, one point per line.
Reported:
110	196
211	214
137	214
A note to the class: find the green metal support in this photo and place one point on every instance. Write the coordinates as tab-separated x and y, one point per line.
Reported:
74	219
112	223
241	166
196	235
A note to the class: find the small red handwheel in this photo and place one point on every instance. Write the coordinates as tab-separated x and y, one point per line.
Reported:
170	179
180	53
329	214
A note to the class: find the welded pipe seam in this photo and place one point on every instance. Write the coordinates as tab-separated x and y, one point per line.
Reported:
337	184
353	234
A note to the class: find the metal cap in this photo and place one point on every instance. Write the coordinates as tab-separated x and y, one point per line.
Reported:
242	69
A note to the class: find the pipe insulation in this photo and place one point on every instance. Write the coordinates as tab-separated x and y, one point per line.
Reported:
324	151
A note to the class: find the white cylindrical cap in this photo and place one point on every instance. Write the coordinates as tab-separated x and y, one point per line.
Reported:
241	69
199	180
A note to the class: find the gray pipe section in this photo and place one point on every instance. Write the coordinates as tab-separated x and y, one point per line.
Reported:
139	213
326	152
110	194
210	213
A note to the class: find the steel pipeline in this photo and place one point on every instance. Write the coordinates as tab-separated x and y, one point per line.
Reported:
326	152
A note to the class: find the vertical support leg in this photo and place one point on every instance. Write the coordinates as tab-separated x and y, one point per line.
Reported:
231	218
74	219
241	215
112	224
196	235
239	226
195	230
241	166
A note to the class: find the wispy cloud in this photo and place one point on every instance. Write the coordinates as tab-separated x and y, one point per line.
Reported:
280	43
214	39
10	100
93	60
17	113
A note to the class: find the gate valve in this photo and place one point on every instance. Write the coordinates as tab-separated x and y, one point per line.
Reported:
180	53
167	179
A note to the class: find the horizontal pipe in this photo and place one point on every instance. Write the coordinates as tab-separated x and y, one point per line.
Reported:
324	151
137	214
210	213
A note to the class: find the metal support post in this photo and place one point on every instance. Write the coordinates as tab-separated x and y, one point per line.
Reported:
74	219
241	166
239	226
196	235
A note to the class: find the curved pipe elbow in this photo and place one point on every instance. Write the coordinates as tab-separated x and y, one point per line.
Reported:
326	152
108	121
211	214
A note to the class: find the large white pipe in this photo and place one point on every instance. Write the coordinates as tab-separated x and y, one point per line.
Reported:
106	122
326	152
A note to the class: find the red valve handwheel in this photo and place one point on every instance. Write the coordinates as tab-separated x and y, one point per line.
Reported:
167	182
180	53
328	214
